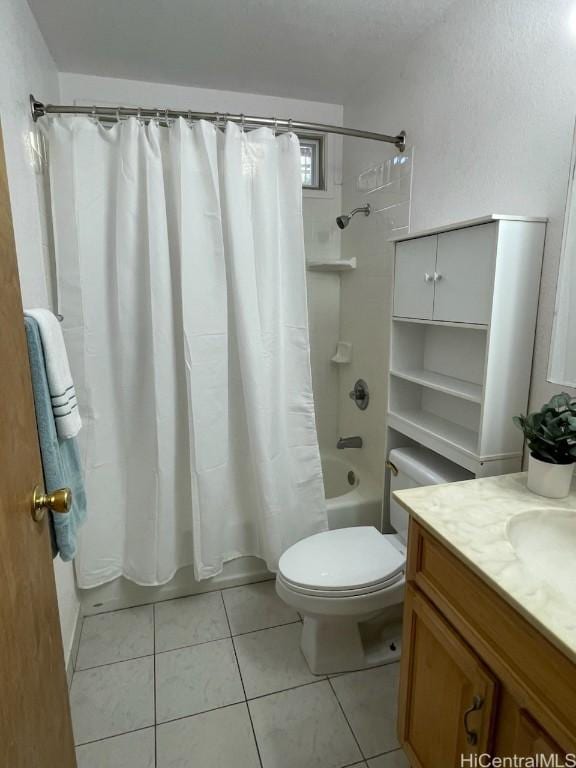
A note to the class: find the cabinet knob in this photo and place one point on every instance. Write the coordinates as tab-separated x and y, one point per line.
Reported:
428	277
437	276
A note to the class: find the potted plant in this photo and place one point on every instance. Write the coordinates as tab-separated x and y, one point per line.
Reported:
551	436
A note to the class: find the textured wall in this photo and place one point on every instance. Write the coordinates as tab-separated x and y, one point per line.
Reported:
488	98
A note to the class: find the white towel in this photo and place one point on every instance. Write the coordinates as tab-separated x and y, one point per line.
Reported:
62	392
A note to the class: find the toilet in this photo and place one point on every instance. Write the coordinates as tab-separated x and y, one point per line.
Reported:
348	583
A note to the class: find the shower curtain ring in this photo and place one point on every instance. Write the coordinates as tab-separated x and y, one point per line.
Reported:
94	115
139	116
290	125
275	126
242	124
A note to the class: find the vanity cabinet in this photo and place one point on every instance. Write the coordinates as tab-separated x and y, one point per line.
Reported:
476	676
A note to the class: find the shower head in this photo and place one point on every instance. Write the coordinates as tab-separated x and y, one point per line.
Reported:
344	219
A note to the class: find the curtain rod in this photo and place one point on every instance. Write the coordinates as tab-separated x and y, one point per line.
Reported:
113	114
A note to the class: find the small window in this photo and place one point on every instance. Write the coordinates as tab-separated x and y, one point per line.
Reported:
312	161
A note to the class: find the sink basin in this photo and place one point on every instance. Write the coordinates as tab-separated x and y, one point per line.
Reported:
545	542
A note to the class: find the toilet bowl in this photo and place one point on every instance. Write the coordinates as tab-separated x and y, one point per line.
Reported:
348	583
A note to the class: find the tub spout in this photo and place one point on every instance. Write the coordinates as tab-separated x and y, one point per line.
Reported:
349	442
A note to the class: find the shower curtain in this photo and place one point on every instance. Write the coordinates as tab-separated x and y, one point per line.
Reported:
181	279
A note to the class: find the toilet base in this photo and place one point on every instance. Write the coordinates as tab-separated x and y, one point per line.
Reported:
333	645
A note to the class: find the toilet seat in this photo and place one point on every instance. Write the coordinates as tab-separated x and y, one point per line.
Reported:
345	562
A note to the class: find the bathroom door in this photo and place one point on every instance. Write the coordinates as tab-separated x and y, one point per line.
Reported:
35	726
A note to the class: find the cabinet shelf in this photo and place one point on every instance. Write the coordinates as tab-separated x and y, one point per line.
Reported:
419	425
439	323
466	390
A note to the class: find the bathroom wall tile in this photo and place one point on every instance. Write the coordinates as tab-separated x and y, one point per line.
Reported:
270	660
396	759
370	701
256	606
114	699
217	739
303	727
116	636
190	620
131	750
196	679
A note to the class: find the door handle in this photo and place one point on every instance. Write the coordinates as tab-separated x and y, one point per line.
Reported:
57	501
472	736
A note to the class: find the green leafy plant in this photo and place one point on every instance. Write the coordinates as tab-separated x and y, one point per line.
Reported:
551	431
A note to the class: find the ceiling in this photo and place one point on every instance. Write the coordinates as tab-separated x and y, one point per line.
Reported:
308	49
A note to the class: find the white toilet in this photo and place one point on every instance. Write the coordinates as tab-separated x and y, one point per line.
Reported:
348	583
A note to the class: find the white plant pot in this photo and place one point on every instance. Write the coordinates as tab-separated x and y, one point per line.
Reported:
551	480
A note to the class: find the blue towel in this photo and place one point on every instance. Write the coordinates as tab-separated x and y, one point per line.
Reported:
60	458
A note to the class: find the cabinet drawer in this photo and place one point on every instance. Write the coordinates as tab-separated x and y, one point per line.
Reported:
541	678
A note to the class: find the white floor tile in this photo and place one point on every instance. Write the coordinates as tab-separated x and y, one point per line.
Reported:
196	679
256	606
190	620
219	739
396	759
131	750
303	728
370	700
117	636
270	660
114	699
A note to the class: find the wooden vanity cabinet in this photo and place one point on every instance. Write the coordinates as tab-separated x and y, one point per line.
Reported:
476	677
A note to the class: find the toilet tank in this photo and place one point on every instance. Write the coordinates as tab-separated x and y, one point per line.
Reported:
418	466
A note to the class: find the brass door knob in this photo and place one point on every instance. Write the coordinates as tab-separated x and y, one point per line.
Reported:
58	501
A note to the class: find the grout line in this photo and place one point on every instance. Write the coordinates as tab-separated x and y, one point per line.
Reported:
154	686
285	690
346	718
112	663
387	752
113	736
243	686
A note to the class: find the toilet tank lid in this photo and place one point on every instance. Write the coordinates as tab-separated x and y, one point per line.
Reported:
425	467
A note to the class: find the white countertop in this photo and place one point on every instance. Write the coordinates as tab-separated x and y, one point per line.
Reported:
471	519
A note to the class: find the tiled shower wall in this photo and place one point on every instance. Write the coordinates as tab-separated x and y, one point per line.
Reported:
378	174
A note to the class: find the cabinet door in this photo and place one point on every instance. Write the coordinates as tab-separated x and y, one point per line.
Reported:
446	693
517	733
465	274
414	266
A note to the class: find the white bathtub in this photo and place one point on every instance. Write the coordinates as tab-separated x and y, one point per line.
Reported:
353	497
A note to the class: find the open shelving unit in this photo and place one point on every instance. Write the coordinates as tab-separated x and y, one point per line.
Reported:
461	341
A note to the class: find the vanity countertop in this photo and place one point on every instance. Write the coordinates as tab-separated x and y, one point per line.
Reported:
471	519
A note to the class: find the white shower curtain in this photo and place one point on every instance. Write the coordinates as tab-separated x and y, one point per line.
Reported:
181	279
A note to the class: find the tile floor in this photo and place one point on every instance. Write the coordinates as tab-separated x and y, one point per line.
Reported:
218	681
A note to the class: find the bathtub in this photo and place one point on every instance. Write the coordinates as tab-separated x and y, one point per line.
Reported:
353	497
